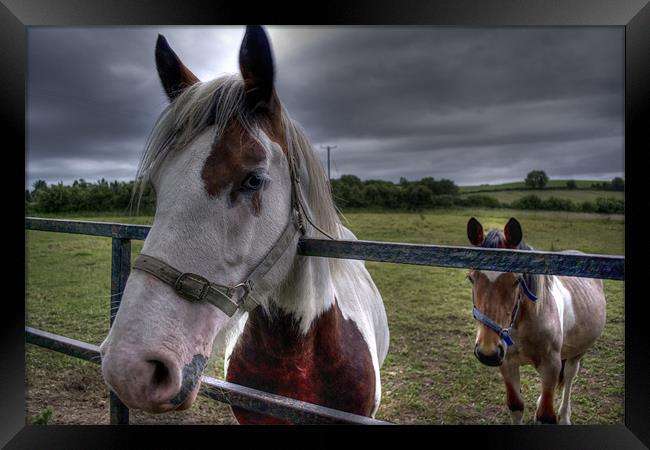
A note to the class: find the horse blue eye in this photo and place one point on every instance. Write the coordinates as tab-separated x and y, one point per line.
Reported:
253	182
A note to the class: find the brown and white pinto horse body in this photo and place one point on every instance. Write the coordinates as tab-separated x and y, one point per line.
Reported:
324	346
218	160
552	333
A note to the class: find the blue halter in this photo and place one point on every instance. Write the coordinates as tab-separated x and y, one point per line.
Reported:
504	333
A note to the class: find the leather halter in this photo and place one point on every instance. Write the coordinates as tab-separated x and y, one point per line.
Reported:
504	333
195	288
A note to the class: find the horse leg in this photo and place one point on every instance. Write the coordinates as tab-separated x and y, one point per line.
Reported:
571	367
549	371
510	374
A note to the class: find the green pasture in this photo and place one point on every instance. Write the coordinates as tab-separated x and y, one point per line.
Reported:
575	195
581	184
430	375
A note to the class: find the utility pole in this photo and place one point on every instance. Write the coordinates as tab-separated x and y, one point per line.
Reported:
328	147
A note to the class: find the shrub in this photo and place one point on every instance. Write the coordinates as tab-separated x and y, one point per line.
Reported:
443	201
528	202
558	204
84	196
587	207
418	196
481	201
351	191
607	205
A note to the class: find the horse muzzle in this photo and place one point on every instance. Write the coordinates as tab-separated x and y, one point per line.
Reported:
494	359
154	383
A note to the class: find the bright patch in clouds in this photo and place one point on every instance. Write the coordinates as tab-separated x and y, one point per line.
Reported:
475	105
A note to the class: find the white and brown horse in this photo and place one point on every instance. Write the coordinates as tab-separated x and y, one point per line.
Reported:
235	179
545	321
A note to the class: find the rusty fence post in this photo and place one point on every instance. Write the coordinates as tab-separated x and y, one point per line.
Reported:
120	268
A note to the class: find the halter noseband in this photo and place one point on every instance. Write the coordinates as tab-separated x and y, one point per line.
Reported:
195	288
504	333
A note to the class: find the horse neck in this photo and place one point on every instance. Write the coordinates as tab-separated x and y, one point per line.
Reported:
534	311
308	290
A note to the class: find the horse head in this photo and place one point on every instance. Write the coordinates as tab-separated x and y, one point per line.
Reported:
496	295
219	162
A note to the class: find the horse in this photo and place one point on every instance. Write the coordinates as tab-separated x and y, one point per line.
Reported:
237	183
546	321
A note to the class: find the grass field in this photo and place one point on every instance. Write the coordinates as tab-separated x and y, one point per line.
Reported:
575	195
581	184
430	375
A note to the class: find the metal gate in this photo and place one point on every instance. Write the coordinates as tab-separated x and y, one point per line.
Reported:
296	411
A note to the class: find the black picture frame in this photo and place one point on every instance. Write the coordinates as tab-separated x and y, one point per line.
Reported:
634	16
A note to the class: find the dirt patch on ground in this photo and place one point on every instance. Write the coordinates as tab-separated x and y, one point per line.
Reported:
78	396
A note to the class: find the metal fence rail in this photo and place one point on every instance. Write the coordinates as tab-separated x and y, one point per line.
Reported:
549	263
235	395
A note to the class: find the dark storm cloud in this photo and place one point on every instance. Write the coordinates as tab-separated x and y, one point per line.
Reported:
474	105
94	95
451	102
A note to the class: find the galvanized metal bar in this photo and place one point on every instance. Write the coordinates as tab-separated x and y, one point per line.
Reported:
108	229
120	269
62	344
275	405
235	395
503	260
549	263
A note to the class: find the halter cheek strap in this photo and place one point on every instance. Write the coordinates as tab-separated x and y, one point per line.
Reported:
524	287
195	288
504	333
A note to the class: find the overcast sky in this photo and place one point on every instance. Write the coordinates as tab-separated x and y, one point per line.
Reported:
475	105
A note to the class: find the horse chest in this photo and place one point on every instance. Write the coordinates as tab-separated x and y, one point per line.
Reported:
330	365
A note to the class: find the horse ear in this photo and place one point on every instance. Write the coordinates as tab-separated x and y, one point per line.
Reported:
174	75
475	231
256	66
513	233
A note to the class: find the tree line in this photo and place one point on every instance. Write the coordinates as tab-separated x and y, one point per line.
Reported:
85	196
349	191
537	179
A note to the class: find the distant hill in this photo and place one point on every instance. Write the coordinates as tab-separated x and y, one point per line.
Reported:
575	195
552	184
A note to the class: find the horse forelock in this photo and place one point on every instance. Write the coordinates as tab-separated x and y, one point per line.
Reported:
497	239
494	239
198	107
219	103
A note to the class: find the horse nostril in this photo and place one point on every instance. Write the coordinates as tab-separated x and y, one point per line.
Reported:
161	375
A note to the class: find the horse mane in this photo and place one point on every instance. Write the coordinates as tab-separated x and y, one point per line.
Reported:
319	192
215	103
184	119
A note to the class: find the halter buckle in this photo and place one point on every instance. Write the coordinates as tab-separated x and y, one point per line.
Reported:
246	285
187	286
246	301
